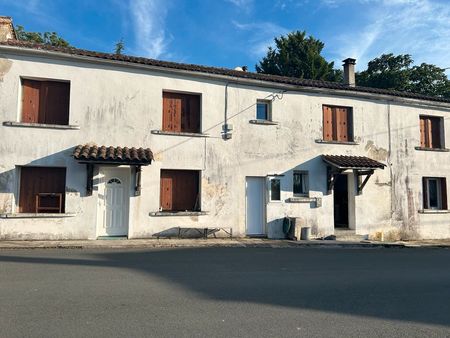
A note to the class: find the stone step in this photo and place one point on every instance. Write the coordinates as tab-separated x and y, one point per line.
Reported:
348	235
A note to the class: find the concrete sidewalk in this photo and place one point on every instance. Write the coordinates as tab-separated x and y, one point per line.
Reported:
212	242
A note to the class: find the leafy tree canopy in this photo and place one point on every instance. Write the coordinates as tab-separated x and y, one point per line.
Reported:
298	55
397	72
48	38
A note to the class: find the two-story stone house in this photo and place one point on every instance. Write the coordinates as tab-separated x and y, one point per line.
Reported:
95	144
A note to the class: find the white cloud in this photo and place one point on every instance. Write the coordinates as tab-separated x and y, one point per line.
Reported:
242	4
260	36
420	28
148	17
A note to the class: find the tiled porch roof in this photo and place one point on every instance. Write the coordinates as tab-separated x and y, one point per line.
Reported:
352	162
112	155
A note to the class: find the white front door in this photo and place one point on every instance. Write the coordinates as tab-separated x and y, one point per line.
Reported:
114	194
255	205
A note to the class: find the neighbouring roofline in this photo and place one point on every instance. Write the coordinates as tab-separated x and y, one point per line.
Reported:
228	75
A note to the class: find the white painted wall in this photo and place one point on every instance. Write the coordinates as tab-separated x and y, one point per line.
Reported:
118	105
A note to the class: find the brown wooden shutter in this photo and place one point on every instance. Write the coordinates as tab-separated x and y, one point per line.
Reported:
186	190
34	180
327	123
192	114
444	193
171	112
435	132
422	132
56	102
30	101
424	193
166	190
341	124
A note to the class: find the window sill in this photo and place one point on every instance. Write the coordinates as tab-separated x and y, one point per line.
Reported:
336	142
177	213
42	215
432	149
432	211
40	125
301	199
174	133
264	122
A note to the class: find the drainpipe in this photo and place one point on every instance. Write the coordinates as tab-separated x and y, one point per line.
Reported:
389	159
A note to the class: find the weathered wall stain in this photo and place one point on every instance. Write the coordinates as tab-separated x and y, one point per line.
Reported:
5	66
377	153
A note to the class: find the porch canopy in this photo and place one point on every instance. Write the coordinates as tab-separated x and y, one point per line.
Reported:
112	155
91	154
361	166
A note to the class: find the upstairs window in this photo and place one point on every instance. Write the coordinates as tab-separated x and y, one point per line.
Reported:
42	190
181	112
180	190
275	189
434	193
431	135
45	102
264	110
301	183
337	123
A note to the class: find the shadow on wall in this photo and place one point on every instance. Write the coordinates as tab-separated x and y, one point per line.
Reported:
317	173
359	282
75	177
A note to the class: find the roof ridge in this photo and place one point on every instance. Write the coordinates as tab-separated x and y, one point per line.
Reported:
221	71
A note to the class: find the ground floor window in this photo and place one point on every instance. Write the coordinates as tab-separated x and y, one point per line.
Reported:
275	189
301	183
434	193
180	190
42	190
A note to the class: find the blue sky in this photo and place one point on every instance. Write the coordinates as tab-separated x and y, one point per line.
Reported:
229	33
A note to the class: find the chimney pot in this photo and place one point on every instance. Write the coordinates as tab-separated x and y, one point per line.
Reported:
349	72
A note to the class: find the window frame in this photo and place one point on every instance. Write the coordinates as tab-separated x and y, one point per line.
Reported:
181	94
171	174
334	127
441	196
271	191
42	111
268	105
304	174
424	134
20	186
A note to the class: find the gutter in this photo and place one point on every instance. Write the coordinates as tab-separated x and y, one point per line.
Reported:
231	79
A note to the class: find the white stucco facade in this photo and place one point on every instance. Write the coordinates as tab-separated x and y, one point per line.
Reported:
117	104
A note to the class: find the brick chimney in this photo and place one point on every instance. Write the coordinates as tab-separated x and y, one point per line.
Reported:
349	72
6	29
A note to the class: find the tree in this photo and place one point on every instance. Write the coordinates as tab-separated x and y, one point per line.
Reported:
396	72
119	47
47	38
298	55
429	80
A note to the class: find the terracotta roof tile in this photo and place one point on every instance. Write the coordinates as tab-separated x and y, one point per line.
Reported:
116	155
352	162
220	71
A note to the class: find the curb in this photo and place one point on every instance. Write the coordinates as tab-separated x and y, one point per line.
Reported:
229	244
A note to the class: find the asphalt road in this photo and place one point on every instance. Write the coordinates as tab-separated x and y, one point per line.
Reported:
225	292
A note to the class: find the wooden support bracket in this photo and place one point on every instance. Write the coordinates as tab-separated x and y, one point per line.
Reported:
361	183
137	187
89	179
